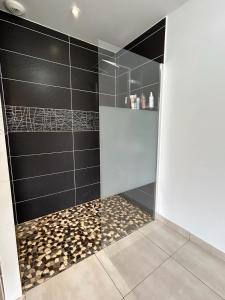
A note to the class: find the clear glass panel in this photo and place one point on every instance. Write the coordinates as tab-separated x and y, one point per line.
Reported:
129	87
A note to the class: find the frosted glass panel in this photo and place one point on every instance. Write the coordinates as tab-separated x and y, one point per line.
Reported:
128	151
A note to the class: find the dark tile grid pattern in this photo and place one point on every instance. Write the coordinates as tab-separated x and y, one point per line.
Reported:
142	56
44	69
51	244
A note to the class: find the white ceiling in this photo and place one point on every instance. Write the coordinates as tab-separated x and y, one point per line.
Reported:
117	22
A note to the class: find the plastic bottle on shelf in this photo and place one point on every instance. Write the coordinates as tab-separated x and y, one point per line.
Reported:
151	101
143	101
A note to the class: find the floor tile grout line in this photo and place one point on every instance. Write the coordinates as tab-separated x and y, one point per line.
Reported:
54	62
80	260
55	86
53	37
168	258
193	274
149	238
103	267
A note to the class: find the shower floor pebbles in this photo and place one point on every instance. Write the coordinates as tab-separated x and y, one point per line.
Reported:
50	244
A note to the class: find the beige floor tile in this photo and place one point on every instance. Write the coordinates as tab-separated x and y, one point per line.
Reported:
208	268
172	282
130	260
85	280
163	236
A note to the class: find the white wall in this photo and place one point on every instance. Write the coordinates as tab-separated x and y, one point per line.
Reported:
8	249
128	140
191	189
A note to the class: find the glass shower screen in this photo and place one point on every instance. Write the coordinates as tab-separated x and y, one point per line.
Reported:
129	92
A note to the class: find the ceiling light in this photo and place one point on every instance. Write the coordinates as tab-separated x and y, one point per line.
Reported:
76	11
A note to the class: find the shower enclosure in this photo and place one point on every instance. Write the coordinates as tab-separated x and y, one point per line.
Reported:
128	136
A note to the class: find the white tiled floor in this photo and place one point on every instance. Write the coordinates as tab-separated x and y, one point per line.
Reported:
154	263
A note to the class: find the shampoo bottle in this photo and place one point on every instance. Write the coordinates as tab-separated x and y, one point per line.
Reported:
138	103
143	101
151	101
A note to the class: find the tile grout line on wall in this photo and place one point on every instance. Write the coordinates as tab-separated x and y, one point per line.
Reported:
53	62
73	139
55	109
8	144
49	153
56	193
142	87
55	173
55	86
53	37
141	40
141	65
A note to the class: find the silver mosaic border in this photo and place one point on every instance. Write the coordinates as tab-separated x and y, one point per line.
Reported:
36	119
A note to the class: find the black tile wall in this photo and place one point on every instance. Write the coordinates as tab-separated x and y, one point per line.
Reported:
87	176
84	58
26	189
36	95
142	57
88	158
84	194
42	68
84	80
35	165
85	101
151	43
20	67
35	208
32	26
32	43
86	140
26	143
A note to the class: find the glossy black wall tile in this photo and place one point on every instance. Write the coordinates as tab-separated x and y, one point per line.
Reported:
84	80
17	66
83	44
87	158
156	43
150	44
87	176
25	41
35	208
84	58
26	143
26	189
86	140
36	95
32	26
87	193
46	75
85	101
35	165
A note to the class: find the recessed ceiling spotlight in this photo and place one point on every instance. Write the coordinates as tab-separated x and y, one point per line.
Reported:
76	11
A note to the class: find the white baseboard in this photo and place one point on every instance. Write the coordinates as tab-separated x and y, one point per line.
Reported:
188	235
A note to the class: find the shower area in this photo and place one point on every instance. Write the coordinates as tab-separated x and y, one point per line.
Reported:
81	127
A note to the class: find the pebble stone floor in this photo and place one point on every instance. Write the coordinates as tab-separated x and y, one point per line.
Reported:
50	244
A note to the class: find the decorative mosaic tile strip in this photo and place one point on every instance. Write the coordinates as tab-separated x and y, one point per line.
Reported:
35	119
